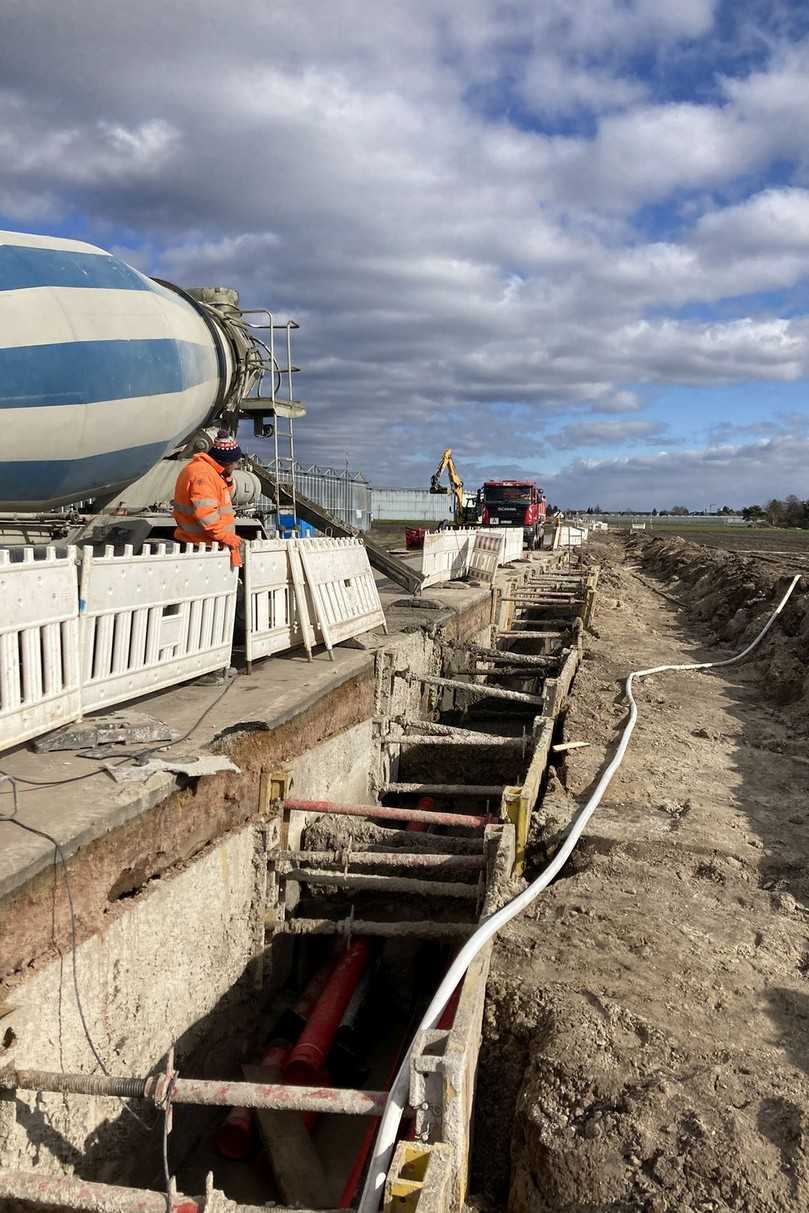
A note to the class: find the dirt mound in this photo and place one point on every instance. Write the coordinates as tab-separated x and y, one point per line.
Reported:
735	595
612	1115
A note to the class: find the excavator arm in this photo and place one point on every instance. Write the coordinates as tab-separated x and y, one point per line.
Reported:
455	482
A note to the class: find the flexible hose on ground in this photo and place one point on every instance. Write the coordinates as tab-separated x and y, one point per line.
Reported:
397	1097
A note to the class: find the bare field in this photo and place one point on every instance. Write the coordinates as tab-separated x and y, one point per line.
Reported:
770	541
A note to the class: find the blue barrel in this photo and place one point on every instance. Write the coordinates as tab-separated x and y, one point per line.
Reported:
103	371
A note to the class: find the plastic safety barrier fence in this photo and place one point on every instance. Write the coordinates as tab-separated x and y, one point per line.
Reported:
344	595
446	555
512	539
153	619
39	649
79	634
569	536
486	556
277	605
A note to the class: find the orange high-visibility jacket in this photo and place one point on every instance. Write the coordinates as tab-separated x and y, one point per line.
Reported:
202	507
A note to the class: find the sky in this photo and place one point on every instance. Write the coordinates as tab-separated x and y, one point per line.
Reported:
569	240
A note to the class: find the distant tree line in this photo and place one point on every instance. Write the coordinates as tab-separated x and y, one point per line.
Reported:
789	512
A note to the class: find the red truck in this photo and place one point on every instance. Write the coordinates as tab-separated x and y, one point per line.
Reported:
515	503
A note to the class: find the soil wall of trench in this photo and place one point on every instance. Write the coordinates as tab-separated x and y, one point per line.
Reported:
646	1041
169	915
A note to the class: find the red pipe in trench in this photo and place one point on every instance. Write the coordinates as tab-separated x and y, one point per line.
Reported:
307	1059
234	1137
349	1193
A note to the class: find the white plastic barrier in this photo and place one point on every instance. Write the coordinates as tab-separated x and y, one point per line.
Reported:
153	620
278	607
446	555
513	537
343	591
39	644
486	556
569	536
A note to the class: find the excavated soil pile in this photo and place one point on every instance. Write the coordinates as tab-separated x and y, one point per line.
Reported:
646	1040
734	595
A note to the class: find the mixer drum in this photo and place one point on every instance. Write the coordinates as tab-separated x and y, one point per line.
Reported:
102	371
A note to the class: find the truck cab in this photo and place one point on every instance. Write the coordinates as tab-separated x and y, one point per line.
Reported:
515	503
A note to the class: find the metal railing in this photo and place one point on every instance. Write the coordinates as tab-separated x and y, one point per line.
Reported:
345	494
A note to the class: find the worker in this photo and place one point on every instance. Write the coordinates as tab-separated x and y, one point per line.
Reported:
202	505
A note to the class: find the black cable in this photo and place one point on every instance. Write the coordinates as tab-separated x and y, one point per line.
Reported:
139	754
57	846
168	744
166	1117
50	783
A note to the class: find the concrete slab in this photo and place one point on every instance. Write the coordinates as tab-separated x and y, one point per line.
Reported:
77	801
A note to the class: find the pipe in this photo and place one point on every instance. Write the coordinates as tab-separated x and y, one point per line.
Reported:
280	1097
362	883
391	1118
234	1137
424	728
383	813
479	739
417	929
423	802
527	659
523	635
500	671
445	789
449	844
70	1192
308	1057
384	859
546	596
352	1183
347	1056
474	688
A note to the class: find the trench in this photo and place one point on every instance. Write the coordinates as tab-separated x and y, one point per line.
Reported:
356	919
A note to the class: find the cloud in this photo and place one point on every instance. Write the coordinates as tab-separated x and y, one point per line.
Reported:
617	402
735	474
607	433
773	221
453	203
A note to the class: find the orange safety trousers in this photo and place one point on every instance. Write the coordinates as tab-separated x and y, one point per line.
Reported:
202	507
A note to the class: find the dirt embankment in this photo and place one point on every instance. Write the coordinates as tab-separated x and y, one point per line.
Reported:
734	596
646	1040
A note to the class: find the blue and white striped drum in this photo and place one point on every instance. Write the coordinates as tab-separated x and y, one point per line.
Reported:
102	371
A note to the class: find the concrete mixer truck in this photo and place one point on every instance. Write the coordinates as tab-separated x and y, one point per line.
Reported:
109	377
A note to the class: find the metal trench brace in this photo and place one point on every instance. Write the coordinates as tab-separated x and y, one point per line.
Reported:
165	1090
69	1192
468	860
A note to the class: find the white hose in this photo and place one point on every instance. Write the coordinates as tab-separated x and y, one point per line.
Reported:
397	1097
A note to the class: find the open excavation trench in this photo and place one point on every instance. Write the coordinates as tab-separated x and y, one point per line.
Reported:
324	925
647	1022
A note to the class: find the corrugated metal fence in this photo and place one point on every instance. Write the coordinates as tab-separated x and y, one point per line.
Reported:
405	505
345	494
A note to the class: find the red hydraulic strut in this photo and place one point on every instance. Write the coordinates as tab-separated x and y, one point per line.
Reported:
378	812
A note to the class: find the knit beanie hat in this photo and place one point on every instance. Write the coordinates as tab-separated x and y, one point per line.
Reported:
225	448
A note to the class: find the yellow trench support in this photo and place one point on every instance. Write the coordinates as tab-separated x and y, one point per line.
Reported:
516	808
419	1178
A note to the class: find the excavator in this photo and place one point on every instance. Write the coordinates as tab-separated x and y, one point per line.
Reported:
466	508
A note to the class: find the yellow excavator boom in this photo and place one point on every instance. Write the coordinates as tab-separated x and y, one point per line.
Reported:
455	482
